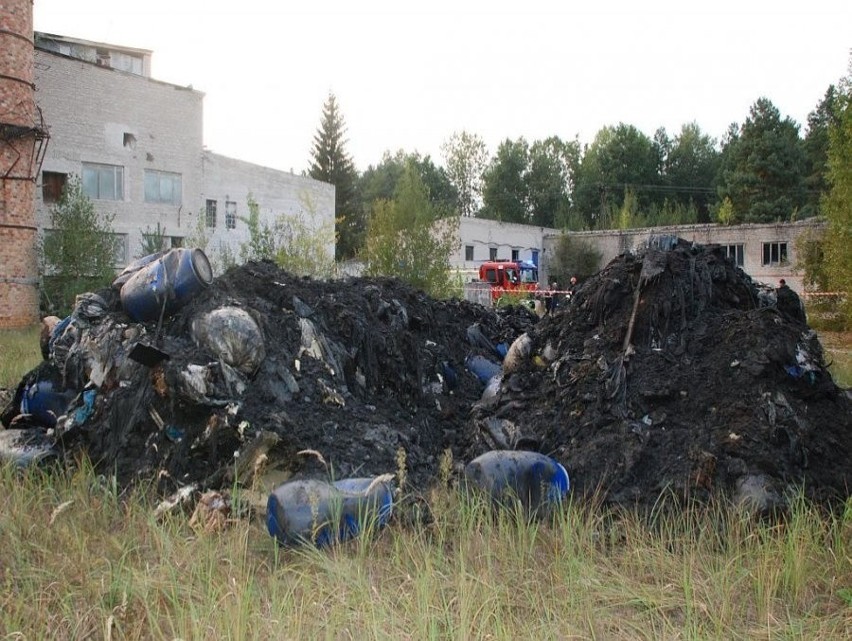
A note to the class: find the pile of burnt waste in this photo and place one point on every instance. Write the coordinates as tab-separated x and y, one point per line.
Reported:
258	367
671	372
668	371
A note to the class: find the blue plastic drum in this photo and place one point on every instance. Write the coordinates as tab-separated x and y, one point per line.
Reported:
310	511
536	480
171	281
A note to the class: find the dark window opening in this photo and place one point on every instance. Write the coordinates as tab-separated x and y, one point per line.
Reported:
492	253
516	254
230	214
129	140
468	252
774	253
52	184
736	253
211	213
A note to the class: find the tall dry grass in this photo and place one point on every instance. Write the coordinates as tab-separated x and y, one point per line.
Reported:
80	560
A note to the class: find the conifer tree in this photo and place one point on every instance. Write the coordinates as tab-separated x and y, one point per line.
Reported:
332	164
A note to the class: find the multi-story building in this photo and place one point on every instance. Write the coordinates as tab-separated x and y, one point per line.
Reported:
137	145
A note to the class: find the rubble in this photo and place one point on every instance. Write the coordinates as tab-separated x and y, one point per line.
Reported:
665	372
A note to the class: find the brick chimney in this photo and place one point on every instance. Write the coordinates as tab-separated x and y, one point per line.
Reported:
22	140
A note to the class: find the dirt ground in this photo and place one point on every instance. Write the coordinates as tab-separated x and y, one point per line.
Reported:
668	370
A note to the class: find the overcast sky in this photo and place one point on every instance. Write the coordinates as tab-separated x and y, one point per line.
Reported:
407	74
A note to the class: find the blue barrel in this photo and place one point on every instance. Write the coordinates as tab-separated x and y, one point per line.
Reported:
326	513
536	480
170	280
45	403
484	369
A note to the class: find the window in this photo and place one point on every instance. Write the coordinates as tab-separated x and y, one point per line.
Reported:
735	253
163	187
492	253
774	253
468	252
230	214
491	275
120	250
535	257
176	241
516	253
103	182
211	213
52	184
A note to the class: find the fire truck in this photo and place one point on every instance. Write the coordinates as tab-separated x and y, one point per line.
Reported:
514	277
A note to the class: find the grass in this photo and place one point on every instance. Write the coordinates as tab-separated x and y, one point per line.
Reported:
838	348
19	353
79	559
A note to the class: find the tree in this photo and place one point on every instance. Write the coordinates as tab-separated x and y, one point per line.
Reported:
407	238
293	241
504	186
331	163
78	251
552	163
153	240
380	182
465	158
573	257
816	148
837	203
618	158
764	171
690	169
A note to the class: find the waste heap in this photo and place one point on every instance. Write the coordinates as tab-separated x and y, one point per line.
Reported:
670	371
258	367
667	371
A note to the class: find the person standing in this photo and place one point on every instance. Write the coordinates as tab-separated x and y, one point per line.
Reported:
550	298
789	303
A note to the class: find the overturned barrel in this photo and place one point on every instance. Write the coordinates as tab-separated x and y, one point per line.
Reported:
326	513
165	284
536	480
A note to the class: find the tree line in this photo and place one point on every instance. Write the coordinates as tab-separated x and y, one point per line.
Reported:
763	170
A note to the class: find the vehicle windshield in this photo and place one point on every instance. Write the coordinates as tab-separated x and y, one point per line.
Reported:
529	275
512	276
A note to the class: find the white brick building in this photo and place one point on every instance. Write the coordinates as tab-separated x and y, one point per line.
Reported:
138	147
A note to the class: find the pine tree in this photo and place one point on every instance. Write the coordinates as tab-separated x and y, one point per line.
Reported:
764	168
332	164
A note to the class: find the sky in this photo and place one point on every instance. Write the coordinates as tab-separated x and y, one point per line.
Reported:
409	74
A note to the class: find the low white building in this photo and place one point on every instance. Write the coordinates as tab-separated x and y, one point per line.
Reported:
137	145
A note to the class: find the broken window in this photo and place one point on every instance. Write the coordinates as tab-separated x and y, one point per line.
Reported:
211	213
230	214
103	182
774	253
736	253
163	187
52	184
468	252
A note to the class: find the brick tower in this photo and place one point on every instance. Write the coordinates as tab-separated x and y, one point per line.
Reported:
22	141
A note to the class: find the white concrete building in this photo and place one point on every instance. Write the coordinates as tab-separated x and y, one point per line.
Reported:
482	239
137	145
766	252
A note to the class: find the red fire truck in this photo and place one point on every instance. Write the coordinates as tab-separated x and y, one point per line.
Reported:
509	277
